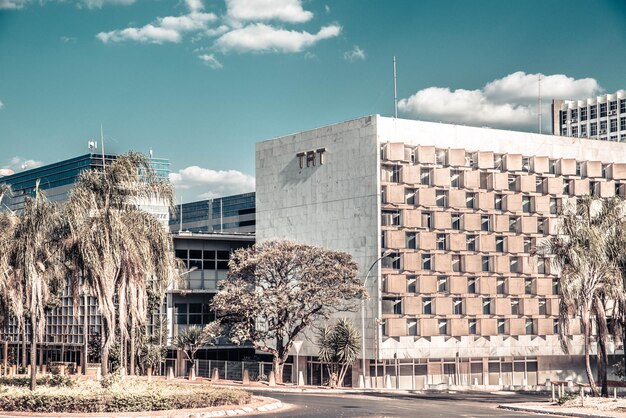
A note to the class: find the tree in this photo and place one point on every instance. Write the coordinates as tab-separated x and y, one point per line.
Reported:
32	266
339	346
276	289
589	274
194	337
116	247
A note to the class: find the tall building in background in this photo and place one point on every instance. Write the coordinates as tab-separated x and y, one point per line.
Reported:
230	214
448	218
602	117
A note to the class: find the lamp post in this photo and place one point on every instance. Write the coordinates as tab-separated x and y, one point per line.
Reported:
367	276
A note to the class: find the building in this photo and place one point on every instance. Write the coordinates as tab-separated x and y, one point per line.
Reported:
57	179
602	117
448	217
223	214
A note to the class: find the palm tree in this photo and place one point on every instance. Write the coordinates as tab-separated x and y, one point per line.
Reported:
32	268
339	346
589	275
194	337
116	246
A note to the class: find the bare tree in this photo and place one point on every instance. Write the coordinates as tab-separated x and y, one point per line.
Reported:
276	289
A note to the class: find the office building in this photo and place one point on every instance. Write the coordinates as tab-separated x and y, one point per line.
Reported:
602	117
448	217
230	214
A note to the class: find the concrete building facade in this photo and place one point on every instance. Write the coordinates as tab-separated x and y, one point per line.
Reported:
454	214
602	117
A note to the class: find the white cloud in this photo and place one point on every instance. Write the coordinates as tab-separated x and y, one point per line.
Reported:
356	54
255	10
220	30
509	102
164	29
260	37
211	61
19	163
98	4
206	183
13	4
1	104
327	8
68	39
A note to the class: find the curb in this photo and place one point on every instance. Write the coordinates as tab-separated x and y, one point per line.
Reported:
540	410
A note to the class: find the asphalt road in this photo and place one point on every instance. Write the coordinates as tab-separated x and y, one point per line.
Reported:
400	405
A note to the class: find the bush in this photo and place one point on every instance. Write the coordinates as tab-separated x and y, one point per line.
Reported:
129	396
53	381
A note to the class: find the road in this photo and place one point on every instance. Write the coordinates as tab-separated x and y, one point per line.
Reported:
400	405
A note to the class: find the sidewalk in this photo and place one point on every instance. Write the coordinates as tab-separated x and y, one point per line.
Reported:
547	408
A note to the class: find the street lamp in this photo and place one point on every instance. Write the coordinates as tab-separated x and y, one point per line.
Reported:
367	276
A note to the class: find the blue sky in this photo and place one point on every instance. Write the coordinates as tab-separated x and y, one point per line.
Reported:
201	81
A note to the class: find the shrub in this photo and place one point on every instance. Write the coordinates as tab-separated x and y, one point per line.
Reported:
53	381
128	396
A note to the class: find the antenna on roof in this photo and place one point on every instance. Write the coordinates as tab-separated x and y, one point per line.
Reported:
539	102
395	92
150	152
92	145
180	229
102	144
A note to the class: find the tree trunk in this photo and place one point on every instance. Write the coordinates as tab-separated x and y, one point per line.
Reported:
85	334
586	331
602	361
277	367
33	353
24	346
132	346
104	351
5	357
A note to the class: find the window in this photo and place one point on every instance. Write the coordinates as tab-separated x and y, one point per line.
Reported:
427	306
411	327
470	199
472	327
541	265
552	166
620	189
527	244
456	263
440	157
514	263
485	223
622	124
470	242
390	218
409	196
411	284
594	188
485	180
555	326
593	110
455	178
427	220
456	221
487	306
472	285
443	327
613	125
514	222
555	286
579	168
583	113
501	326
457	306
411	240
593	129
567	186
563	117
442	240
605	171
574	113
541	225
485	263
526	204
583	130
498	202
530	329
513	182
442	284
574	130
539	182
498	163
442	198
392	306
181	313
515	306
426	261
528	286
425	176
395	174
622	106
553	205
500	243
613	105
392	261
500	287
542	307
603	110
526	164
602	126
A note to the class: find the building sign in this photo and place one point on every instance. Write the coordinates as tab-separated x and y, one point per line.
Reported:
311	158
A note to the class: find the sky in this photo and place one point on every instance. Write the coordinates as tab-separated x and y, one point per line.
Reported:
201	81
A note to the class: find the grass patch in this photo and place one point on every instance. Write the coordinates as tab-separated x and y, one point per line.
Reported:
129	395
